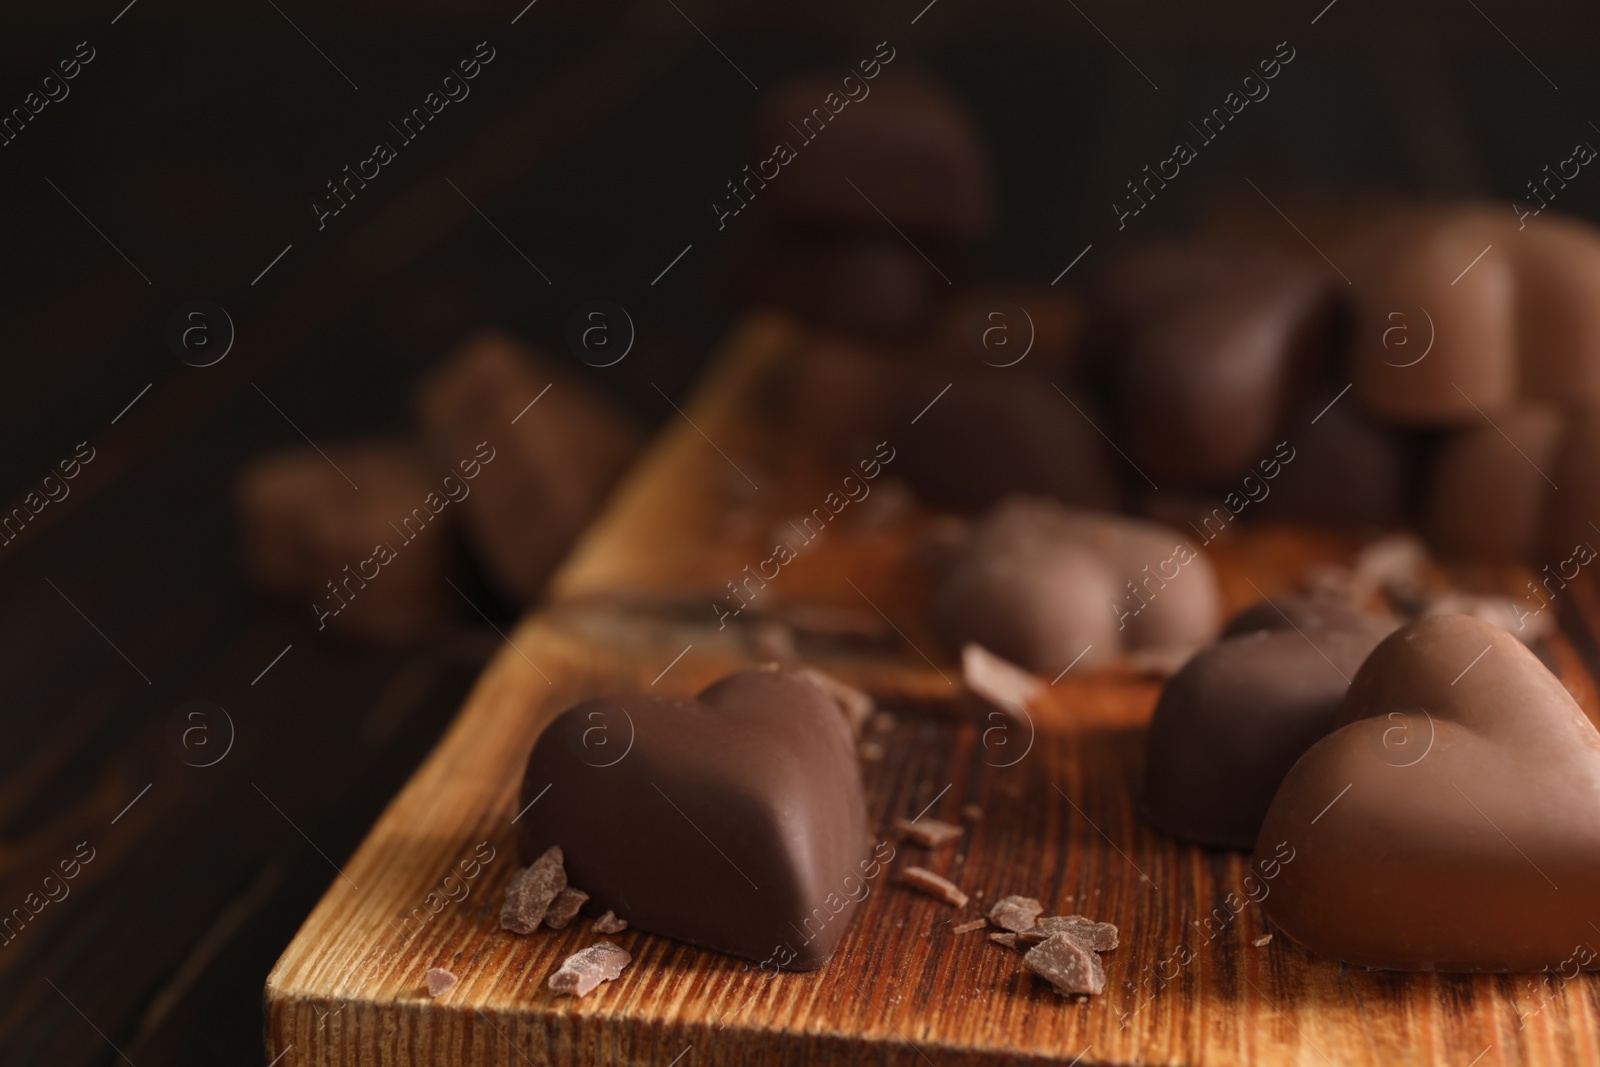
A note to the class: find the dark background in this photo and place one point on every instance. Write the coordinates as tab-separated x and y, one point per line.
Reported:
195	142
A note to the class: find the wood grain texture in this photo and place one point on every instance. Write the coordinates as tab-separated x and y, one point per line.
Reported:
1187	985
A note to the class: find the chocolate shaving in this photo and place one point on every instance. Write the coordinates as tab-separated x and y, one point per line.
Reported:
531	890
929	833
856	705
1067	964
968	927
997	681
1008	940
439	981
564	908
934	885
582	971
609	924
1263	941
1015	913
1097	936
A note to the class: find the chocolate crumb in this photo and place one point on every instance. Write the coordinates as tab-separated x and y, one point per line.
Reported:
968	927
564	908
440	980
972	813
934	885
1067	964
1008	940
531	890
1098	936
929	833
856	705
1262	941
582	971
1016	913
609	924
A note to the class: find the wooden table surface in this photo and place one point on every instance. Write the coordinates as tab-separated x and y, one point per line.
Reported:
1058	822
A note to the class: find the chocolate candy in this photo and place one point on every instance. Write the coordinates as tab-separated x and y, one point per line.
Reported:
1452	822
1040	585
1347	471
1001	433
553	463
904	145
733	820
1488	494
1412	287
1231	723
370	561
1558	311
1208	345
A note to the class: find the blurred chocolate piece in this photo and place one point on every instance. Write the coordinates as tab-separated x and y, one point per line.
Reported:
609	924
935	885
1487	500
581	972
839	395
1347	471
1435	327
998	433
731	820
997	683
564	908
969	927
1431	831
370	560
1208	345
894	149
1009	940
440	981
1557	262
929	833
546	468
1016	913
873	286
1045	587
1231	723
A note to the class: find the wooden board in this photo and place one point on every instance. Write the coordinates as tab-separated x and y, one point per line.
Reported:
633	607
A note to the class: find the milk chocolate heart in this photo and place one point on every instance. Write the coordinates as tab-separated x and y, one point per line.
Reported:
734	820
1452	822
1231	723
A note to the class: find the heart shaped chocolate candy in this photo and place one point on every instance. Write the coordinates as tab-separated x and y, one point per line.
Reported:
734	820
1231	723
1452	822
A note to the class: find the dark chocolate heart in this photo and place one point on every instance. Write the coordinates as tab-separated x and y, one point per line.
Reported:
1452	822
734	820
1231	723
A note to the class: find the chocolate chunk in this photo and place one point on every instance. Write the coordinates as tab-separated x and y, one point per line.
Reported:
1208	345
912	152
1016	913
1067	964
531	891
440	981
729	820
1488	496
1009	940
1430	831
989	437
1045	587
310	535
1098	936
1262	942
564	908
968	927
582	971
934	885
1231	723
929	833
542	471
609	924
